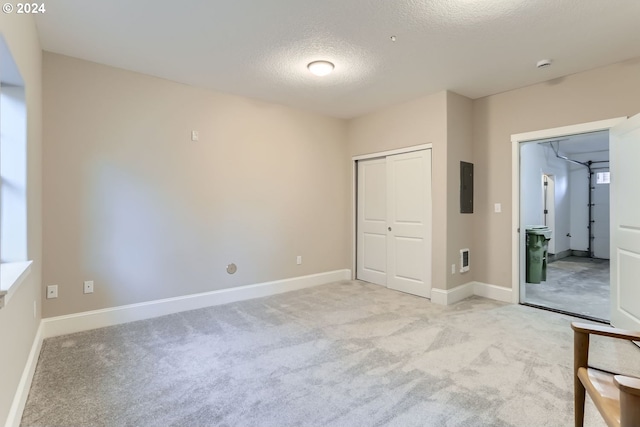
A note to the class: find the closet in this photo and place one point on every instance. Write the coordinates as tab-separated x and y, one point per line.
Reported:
394	222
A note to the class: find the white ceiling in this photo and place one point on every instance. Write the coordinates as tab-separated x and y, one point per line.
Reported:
594	142
585	143
260	48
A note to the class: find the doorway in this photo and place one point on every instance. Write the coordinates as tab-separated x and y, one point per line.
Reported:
557	186
575	211
393	226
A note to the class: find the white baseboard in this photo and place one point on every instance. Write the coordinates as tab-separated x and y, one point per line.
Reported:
452	296
498	293
22	392
87	320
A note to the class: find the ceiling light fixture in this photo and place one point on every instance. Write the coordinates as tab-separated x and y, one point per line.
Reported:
320	68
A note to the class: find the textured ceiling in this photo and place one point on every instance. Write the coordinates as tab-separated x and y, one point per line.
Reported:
260	48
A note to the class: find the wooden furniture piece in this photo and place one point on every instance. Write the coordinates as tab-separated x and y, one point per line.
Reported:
617	397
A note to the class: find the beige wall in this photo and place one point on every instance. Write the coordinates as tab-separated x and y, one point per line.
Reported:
480	132
133	204
459	226
421	121
444	120
598	94
18	325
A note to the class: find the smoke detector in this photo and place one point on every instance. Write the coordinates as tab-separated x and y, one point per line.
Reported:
543	63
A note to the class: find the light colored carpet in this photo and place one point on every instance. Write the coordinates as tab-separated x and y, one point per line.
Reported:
344	354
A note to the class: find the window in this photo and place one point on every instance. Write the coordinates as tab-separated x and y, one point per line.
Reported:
13	175
602	177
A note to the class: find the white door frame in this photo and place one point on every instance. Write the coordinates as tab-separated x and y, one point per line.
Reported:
354	191
517	238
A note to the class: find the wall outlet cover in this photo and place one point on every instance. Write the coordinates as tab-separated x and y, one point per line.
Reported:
52	291
88	287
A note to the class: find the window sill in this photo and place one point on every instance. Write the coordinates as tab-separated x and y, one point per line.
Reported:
12	274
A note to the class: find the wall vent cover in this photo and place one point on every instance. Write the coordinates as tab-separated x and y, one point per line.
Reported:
464	260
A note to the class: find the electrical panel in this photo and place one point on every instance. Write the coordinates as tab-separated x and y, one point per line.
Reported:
466	187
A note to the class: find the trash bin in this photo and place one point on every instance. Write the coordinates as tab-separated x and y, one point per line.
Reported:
538	237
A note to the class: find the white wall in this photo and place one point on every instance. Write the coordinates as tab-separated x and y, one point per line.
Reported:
579	189
535	160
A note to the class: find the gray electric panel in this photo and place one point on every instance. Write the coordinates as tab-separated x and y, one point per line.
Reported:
466	187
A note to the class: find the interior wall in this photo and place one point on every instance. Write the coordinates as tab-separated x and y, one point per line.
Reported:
420	121
444	120
133	204
535	160
459	226
598	94
18	321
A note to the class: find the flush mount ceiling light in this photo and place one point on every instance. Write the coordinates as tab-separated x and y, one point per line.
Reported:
320	68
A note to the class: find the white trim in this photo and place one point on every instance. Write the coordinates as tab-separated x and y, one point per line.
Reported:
354	190
451	296
22	392
12	274
87	320
517	239
567	130
485	290
393	152
354	217
498	293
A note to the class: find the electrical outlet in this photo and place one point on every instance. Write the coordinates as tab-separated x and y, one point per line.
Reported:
299	259
453	269
88	286
52	291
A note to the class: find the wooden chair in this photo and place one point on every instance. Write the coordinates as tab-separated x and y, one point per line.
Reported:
617	397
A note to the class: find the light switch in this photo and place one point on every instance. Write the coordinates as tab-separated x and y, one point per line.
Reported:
195	135
497	208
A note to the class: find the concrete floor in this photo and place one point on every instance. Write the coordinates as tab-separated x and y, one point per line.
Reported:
574	285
